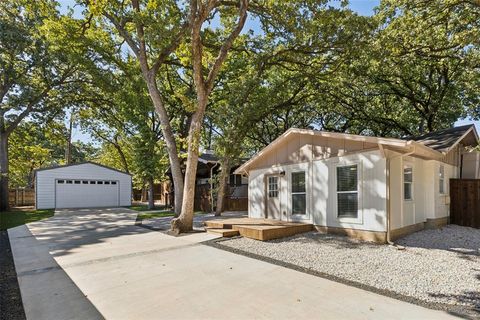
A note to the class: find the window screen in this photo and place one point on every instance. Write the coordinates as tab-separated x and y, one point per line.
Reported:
299	199
407	183
347	191
441	179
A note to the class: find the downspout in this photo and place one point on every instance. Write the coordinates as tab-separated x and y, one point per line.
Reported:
211	184
389	211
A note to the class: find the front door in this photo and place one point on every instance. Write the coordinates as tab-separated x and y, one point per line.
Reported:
273	197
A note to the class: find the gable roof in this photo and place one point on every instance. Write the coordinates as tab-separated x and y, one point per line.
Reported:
79	164
393	142
444	140
208	157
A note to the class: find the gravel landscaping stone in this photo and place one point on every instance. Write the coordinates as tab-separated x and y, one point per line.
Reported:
437	266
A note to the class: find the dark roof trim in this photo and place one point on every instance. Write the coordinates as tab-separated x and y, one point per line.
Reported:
446	139
78	164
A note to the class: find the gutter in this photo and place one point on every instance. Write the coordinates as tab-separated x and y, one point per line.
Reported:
389	211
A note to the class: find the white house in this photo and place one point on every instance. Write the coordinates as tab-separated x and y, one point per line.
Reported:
83	185
368	187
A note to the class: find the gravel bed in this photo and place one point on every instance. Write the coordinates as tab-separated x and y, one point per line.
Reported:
437	266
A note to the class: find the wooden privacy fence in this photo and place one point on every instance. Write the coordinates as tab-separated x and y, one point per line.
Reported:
465	202
21	197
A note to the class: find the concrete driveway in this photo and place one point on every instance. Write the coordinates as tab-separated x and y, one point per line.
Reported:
89	264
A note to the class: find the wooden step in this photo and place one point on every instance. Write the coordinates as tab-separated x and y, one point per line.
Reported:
217	224
223	232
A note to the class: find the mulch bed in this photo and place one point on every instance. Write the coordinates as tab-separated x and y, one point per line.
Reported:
11	306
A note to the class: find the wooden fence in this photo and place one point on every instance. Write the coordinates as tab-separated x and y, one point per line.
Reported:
203	200
21	197
465	202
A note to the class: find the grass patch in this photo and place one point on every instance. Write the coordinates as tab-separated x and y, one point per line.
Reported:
144	207
161	214
10	219
150	215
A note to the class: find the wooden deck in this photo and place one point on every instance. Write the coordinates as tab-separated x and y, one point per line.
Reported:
258	229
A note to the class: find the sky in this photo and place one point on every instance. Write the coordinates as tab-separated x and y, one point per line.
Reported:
362	7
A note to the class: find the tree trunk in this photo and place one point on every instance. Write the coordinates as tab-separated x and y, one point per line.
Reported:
68	149
143	197
151	199
171	145
222	187
4	206
184	223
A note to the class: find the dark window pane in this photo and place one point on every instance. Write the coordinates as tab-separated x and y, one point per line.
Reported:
238	180
407	191
347	205
99	182
232	180
60	181
347	178
84	182
69	181
92	182
299	203
298	181
407	175
114	182
107	182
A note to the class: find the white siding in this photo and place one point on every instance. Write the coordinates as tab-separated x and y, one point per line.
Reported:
45	182
321	191
427	201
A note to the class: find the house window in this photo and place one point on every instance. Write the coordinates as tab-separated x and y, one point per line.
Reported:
92	182
407	183
441	179
299	198
84	182
61	181
69	181
77	181
114	182
273	187
99	182
107	182
347	191
235	180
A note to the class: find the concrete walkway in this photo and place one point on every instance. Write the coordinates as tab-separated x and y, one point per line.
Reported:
122	271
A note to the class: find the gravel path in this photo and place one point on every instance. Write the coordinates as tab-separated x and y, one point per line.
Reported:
437	266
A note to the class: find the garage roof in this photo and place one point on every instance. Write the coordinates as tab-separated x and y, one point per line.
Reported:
79	164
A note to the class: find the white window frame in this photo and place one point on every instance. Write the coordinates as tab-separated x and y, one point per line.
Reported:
359	218
441	179
408	166
270	184
304	192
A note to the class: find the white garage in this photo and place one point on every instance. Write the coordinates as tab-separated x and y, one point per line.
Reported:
83	185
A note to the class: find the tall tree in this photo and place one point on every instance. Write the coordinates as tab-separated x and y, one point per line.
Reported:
35	63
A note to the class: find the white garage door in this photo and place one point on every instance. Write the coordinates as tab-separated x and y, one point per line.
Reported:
73	193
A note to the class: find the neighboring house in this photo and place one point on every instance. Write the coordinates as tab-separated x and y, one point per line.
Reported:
208	168
82	185
368	187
